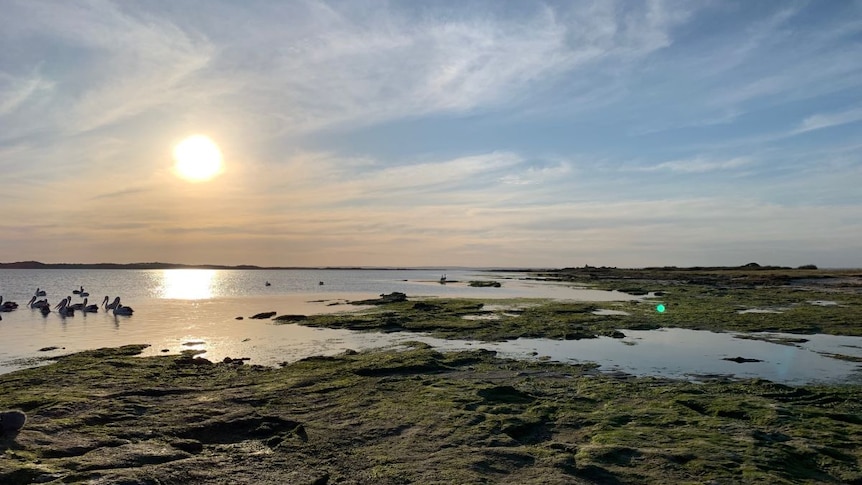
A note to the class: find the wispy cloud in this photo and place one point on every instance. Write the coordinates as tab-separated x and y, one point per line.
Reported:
695	165
526	132
828	120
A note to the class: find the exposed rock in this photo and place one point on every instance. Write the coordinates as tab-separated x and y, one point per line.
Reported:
291	318
741	360
485	284
263	316
189	360
394	297
12	421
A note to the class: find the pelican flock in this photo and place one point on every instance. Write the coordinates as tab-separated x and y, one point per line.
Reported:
65	307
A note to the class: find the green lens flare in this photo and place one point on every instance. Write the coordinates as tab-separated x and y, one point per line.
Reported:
659	308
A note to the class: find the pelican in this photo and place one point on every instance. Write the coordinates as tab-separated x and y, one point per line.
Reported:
112	305
123	310
81	292
33	303
117	307
64	309
40	292
7	306
92	308
77	306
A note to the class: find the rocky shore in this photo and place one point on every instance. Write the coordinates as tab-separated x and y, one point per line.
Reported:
414	416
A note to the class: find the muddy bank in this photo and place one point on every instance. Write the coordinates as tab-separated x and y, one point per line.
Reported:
417	416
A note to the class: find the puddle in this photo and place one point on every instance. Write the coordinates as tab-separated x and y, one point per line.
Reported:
692	354
605	311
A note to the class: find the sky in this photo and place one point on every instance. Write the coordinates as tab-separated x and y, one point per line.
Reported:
445	133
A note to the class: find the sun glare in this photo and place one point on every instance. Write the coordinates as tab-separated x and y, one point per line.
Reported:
197	159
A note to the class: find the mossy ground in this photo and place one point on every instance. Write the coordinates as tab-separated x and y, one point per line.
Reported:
415	416
698	300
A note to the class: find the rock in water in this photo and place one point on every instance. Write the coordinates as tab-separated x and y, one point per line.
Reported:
12	421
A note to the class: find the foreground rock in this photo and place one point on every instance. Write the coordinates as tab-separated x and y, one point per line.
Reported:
417	416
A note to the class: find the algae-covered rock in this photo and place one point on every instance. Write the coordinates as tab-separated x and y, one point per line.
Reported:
12	421
385	298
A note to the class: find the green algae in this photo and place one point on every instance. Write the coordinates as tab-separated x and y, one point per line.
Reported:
693	300
416	416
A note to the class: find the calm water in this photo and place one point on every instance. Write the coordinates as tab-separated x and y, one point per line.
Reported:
177	310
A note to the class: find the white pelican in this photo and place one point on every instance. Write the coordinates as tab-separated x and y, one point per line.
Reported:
40	292
78	306
33	303
112	305
7	306
117	307
123	310
92	308
64	309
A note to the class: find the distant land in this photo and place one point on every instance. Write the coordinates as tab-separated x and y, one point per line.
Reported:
157	265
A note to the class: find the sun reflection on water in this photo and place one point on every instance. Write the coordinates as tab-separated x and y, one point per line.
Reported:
187	284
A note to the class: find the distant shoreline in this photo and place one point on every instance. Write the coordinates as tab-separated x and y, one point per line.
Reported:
157	265
592	269
599	269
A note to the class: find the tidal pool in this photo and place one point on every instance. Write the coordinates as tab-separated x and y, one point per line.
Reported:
692	354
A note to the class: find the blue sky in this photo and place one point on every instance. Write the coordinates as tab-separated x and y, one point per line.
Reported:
541	134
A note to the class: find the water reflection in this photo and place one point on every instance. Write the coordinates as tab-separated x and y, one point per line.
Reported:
187	284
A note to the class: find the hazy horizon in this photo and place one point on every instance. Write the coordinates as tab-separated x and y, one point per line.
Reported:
448	134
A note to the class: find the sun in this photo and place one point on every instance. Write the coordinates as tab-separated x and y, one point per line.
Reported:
197	159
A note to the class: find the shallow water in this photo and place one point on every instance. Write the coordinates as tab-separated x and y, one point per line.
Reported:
173	307
179	310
